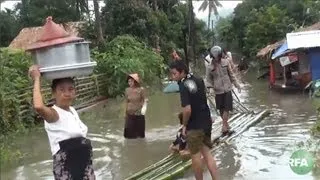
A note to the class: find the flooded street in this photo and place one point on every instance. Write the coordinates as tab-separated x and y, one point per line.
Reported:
262	152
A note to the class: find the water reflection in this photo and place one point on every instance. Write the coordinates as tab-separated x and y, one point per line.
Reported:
264	150
261	152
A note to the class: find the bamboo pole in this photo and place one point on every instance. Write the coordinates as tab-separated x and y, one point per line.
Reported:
159	170
256	120
169	170
151	167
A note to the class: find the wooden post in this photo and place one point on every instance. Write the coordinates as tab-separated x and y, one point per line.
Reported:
97	84
284	77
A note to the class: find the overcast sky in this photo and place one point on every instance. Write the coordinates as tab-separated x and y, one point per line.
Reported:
196	4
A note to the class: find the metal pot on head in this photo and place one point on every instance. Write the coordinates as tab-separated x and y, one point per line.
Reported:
59	54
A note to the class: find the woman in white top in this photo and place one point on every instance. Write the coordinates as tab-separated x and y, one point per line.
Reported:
71	150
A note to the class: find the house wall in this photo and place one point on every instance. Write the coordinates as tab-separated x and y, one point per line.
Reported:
304	63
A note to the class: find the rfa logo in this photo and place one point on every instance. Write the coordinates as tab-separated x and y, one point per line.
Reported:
301	162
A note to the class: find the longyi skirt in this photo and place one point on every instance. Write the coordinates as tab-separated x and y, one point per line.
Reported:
74	161
134	126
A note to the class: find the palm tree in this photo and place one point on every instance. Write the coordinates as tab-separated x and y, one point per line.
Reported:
212	5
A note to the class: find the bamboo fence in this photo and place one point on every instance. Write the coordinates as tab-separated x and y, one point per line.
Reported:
89	89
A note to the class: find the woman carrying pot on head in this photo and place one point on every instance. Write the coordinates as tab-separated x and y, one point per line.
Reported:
71	150
136	103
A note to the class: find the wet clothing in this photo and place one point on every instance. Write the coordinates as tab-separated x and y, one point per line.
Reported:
180	140
197	138
71	150
224	101
221	76
135	121
135	99
68	126
73	160
135	126
192	92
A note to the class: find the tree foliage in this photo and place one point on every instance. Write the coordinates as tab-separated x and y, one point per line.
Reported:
139	34
225	32
212	6
34	12
8	27
161	24
271	25
255	23
14	65
124	55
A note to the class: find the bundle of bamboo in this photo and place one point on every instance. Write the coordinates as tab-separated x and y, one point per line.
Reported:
174	166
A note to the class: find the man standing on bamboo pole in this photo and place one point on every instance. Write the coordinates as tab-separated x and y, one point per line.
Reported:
220	76
197	124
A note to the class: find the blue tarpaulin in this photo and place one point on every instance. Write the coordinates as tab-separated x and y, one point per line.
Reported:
172	87
280	51
314	56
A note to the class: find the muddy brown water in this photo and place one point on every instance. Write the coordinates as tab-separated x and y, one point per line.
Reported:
261	152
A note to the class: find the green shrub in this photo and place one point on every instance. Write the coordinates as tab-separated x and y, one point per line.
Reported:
124	55
14	66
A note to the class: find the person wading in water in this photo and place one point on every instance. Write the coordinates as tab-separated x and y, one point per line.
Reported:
220	76
71	150
196	117
135	101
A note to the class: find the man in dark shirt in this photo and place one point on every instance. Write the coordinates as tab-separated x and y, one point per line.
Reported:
197	122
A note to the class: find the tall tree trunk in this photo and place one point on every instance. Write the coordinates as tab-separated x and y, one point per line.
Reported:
154	5
191	43
185	45
211	24
89	17
209	19
24	14
78	11
98	21
156	36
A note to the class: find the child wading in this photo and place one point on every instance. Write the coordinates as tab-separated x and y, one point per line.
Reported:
180	143
71	150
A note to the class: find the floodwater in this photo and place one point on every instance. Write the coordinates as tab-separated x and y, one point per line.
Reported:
261	152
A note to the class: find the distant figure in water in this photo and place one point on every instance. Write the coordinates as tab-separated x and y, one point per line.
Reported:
135	108
243	66
175	55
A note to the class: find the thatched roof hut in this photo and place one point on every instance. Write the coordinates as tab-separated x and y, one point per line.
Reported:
29	35
268	49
